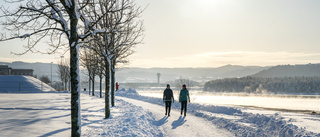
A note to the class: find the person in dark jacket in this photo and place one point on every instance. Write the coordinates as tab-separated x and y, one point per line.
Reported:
168	98
183	98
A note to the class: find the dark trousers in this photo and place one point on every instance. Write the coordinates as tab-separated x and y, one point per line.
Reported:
168	107
184	106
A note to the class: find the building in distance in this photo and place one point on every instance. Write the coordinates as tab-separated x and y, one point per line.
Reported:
6	70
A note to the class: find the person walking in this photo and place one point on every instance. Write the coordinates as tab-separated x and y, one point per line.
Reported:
183	98
167	99
117	86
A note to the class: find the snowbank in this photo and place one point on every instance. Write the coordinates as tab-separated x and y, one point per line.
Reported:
126	119
233	119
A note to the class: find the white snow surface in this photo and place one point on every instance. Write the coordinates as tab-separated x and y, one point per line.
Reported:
34	114
176	125
48	114
240	121
126	119
295	109
20	84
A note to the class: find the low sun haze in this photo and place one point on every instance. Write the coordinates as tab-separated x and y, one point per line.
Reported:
212	33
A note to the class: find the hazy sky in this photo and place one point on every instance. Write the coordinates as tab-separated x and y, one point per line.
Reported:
212	33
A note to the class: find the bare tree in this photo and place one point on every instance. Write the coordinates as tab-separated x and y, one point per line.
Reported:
101	70
128	32
179	82
123	33
64	72
53	21
85	61
45	79
89	60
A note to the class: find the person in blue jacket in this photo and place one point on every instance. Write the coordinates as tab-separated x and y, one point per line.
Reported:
168	98
184	98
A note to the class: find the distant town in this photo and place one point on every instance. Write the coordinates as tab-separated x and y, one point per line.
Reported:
6	70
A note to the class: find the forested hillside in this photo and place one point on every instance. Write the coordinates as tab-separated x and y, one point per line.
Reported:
258	84
308	70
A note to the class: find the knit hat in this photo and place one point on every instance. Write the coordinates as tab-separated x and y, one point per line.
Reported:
184	85
168	85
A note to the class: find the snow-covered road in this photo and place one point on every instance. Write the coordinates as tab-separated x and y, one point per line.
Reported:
177	125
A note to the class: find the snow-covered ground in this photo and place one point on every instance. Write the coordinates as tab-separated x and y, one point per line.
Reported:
35	114
48	114
20	84
180	126
126	119
247	121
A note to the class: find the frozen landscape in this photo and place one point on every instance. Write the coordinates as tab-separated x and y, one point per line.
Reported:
252	68
142	114
48	114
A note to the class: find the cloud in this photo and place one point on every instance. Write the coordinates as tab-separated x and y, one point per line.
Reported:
216	59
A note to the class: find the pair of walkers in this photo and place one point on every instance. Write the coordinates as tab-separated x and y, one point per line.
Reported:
183	99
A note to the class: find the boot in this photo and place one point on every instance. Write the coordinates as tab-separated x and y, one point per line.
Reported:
185	113
181	112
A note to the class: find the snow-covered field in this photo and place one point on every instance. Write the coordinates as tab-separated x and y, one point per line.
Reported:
48	114
20	84
35	114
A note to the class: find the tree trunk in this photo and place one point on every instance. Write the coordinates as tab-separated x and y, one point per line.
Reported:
65	85
74	73
93	79
112	82
100	86
107	87
75	98
89	85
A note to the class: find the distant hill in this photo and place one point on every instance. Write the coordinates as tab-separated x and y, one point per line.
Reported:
149	75
308	70
13	83
201	75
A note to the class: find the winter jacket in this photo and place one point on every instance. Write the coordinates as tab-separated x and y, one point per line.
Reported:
168	95
184	95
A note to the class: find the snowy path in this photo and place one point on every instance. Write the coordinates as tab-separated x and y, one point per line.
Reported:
176	126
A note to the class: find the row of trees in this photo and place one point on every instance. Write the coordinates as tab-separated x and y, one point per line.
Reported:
258	84
104	29
103	52
64	73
